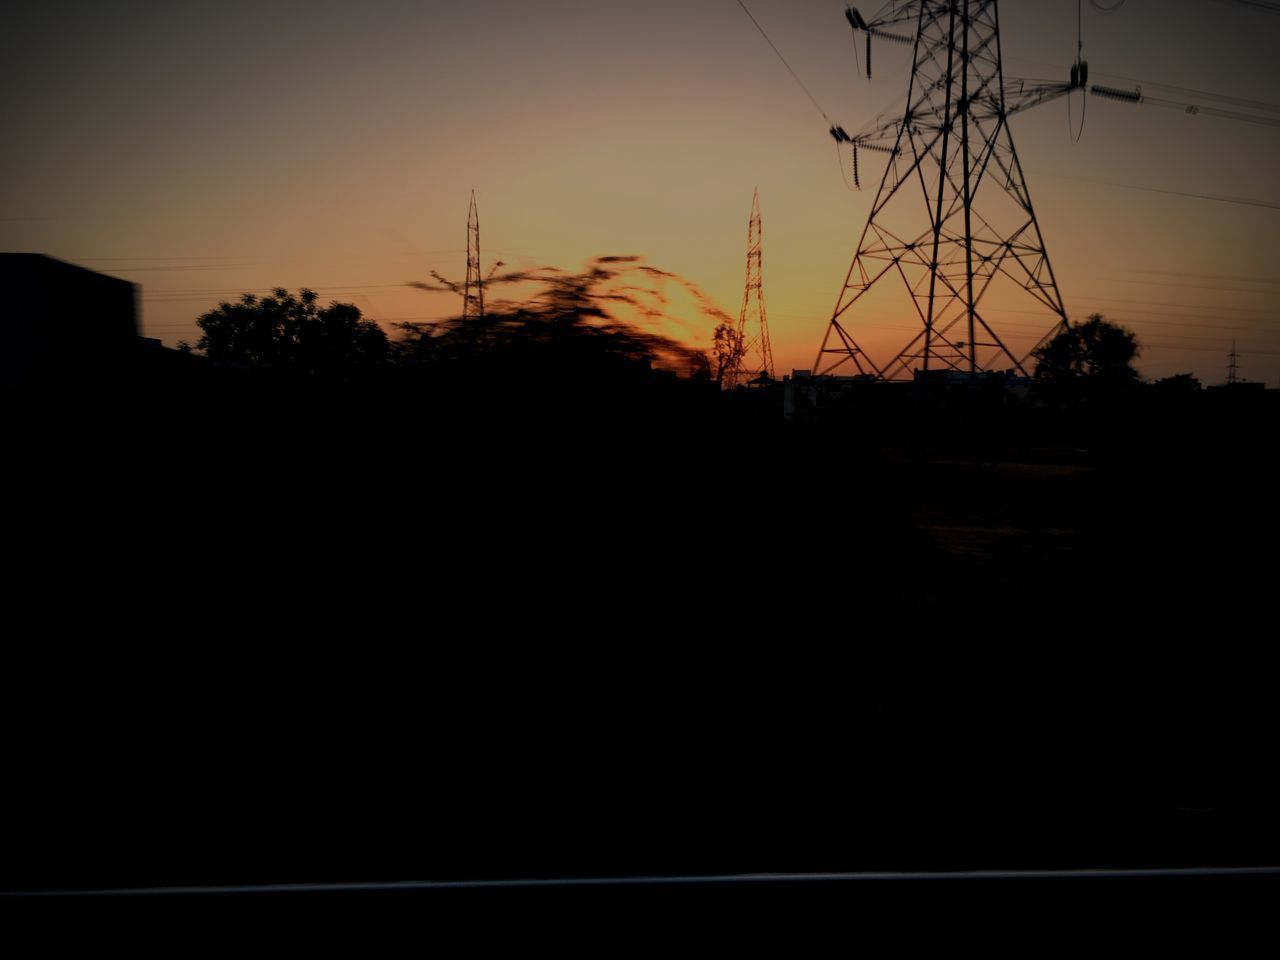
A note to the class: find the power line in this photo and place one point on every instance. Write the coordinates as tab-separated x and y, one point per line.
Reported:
1195	109
861	876
1238	278
1216	287
133	259
794	75
232	291
1213	287
1217	198
1193	92
1208	321
1266	5
1183	305
1155	345
1263	105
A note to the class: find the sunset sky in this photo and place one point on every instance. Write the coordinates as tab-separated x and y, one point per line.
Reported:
203	149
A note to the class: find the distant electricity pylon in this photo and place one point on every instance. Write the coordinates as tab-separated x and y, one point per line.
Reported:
753	355
1233	365
473	291
952	149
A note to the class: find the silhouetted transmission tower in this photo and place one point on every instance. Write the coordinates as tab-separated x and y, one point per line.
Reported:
753	355
473	292
975	237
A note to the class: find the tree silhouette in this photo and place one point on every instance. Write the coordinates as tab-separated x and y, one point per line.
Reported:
727	349
1179	383
569	327
1089	359
288	333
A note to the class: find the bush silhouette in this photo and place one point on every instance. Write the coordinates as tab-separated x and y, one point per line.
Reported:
1089	360
294	334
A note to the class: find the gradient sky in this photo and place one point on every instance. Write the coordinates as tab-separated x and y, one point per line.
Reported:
203	149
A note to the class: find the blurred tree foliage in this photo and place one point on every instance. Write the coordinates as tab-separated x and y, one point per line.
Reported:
569	327
1090	360
604	323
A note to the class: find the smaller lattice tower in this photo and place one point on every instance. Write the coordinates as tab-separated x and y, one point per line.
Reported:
1233	365
473	291
753	356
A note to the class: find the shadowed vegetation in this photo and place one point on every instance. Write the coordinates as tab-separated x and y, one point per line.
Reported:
1090	361
605	320
286	333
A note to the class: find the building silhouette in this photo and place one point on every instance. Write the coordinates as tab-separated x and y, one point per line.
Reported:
62	322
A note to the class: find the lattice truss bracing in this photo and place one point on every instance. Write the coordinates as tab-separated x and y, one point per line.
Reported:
473	289
953	220
753	355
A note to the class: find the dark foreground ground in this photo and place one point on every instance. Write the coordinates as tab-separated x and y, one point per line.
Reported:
283	639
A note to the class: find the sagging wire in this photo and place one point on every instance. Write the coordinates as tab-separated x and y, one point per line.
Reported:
1071	124
795	76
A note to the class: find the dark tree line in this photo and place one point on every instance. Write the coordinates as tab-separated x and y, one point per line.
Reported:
1090	360
569	327
292	333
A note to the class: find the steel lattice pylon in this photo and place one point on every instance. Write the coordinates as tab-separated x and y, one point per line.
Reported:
473	292
953	147
753	355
